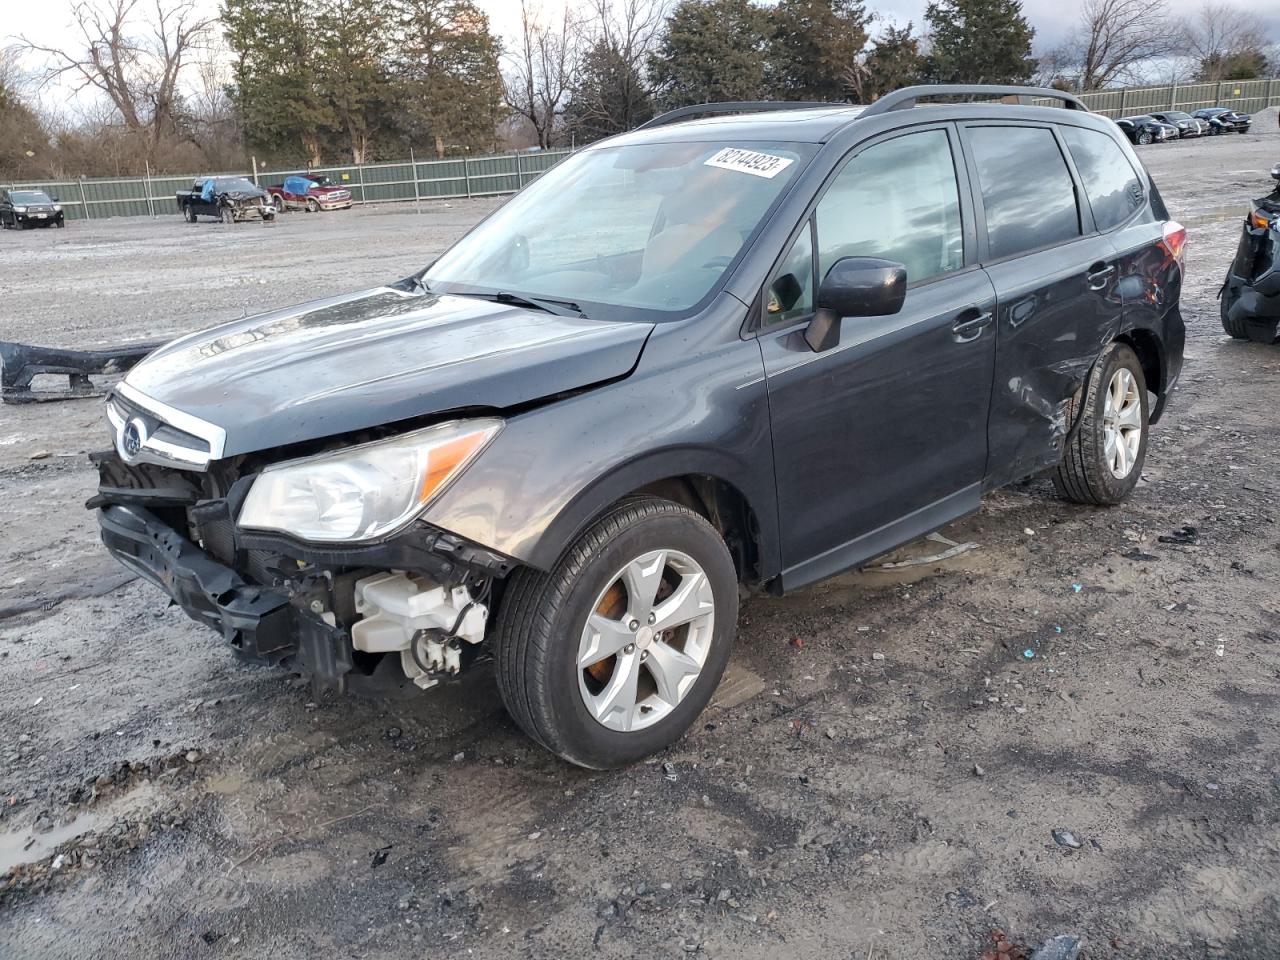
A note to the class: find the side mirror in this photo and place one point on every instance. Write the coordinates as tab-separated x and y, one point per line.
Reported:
855	287
54	200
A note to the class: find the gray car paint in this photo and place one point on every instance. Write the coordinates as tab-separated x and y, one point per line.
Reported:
698	399
375	358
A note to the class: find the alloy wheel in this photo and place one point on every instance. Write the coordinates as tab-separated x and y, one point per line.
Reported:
1122	423
646	640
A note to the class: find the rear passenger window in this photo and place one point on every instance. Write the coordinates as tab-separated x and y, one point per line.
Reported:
1110	182
1027	190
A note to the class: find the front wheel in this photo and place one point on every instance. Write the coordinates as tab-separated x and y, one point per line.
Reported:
1103	459
1144	137
1226	301
313	205
228	215
613	654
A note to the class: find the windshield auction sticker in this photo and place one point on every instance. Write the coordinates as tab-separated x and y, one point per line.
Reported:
748	161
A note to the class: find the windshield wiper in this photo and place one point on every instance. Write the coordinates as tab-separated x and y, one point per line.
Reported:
559	308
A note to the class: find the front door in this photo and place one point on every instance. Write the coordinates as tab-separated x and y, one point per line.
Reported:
883	437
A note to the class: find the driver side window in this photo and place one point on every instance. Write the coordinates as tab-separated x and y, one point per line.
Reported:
896	200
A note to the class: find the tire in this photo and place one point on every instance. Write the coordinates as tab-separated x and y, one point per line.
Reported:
541	643
60	223
227	215
277	201
1144	138
313	205
1086	474
1236	328
188	213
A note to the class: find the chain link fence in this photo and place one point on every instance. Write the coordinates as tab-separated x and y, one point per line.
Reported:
97	198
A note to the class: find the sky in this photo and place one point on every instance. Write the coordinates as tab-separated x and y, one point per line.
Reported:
49	22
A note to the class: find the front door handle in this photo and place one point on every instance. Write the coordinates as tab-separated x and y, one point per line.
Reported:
970	323
1099	274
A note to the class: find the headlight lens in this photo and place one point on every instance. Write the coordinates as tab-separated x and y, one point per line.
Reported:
19	209
367	491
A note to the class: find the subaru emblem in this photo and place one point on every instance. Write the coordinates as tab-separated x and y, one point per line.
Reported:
132	437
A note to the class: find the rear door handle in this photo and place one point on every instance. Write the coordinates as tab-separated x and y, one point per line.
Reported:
1099	274
970	323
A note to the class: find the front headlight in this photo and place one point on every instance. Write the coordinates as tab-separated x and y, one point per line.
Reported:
367	491
19	209
57	208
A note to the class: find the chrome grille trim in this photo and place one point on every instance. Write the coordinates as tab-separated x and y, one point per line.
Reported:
153	449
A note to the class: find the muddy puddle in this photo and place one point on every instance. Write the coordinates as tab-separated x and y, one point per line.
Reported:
23	846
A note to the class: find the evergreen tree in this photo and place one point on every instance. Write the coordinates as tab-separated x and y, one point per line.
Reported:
609	95
978	41
276	87
448	88
712	50
813	48
892	62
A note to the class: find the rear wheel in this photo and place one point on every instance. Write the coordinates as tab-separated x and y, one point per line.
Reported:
1103	459
189	213
613	654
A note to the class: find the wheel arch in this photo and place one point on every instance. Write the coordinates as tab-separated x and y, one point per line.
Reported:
700	483
1151	356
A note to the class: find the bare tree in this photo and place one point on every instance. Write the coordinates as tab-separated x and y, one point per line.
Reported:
541	71
1115	41
1220	31
133	58
610	92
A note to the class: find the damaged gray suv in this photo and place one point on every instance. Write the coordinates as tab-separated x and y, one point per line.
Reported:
747	344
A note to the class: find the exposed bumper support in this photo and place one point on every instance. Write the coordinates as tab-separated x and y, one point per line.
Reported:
23	362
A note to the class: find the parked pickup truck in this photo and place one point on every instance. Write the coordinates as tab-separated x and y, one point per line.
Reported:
229	199
310	193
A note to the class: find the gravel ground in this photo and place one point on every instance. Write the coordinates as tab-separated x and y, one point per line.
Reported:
879	777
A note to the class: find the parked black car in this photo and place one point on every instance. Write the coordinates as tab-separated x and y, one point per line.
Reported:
1184	123
1144	130
756	349
1250	297
1224	120
229	199
30	208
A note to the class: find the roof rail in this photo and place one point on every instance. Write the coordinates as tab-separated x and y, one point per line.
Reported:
732	106
906	97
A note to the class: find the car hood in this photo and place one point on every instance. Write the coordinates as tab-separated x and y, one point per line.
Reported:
378	357
245	195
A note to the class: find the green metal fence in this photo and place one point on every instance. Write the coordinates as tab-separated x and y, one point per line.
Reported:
1244	95
97	198
415	179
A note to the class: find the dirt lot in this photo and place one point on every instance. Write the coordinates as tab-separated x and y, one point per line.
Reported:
879	777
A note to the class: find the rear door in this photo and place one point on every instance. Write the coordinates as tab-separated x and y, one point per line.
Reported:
1055	282
882	437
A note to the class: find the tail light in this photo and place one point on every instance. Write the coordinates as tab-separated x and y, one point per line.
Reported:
1174	241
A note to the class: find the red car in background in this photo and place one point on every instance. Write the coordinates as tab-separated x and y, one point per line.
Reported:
309	192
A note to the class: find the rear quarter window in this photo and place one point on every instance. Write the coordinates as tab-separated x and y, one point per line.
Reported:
1028	195
1110	182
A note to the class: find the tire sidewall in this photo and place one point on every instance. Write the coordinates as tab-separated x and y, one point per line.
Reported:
1116	488
587	741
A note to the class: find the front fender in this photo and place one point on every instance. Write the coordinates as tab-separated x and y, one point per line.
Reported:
695	404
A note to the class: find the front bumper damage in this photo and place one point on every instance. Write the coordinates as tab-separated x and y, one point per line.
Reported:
386	619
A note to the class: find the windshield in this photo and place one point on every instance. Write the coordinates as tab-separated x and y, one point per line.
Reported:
1178	116
236	185
647	228
29	196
